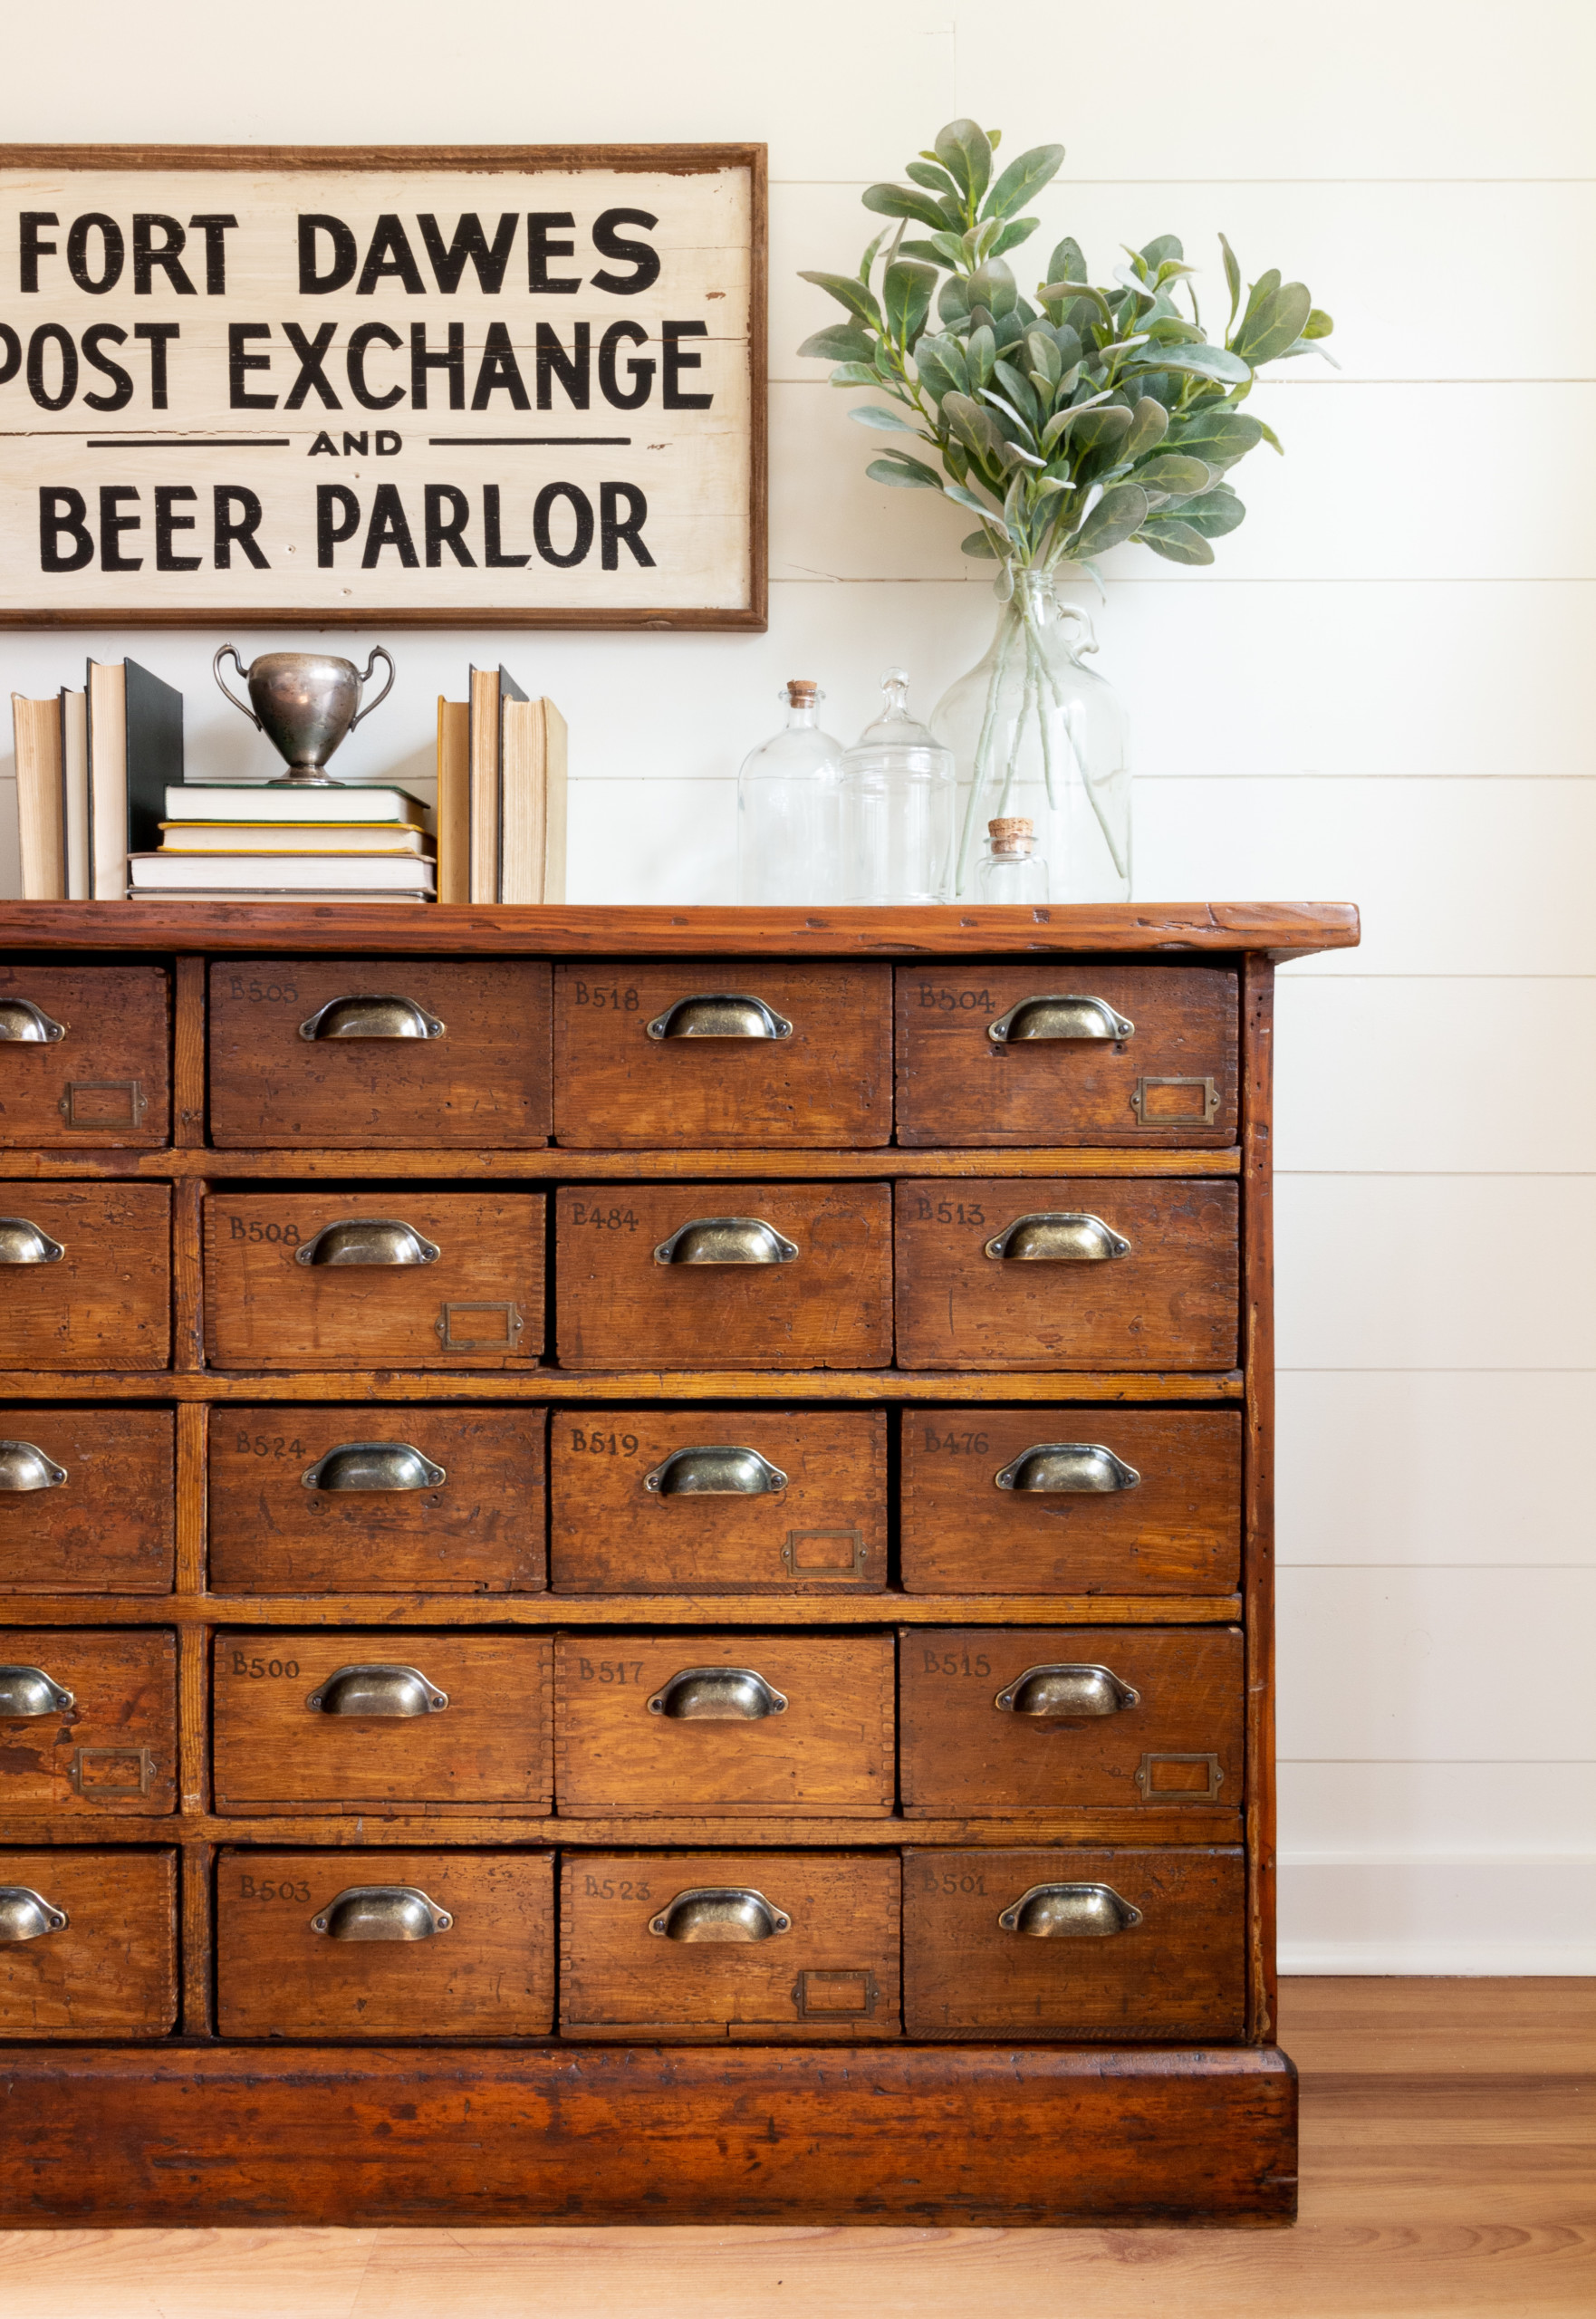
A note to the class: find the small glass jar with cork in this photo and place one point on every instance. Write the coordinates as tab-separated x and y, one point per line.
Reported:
1011	869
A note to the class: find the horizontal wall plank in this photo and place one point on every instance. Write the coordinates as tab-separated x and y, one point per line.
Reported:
1431	1917
1373	1813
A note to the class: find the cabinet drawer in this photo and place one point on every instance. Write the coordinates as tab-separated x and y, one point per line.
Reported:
445	1720
1022	1055
83	1056
106	1523
344	1280
722	1052
110	1968
1070	1501
103	1301
801	1277
743	1724
687	1501
374	1499
698	1946
88	1722
1096	1273
378	1051
1050	1719
362	1943
1111	1942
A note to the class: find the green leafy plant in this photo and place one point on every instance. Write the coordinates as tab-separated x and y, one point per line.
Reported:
1094	414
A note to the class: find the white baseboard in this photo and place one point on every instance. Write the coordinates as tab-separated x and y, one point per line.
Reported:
1498	1915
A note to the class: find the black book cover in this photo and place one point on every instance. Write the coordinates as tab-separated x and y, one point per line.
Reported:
155	754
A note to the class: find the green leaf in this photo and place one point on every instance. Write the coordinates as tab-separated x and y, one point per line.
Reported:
1025	176
904	473
1156	252
993	286
1215	513
847	293
953	302
838	342
941	367
980	356
1233	277
976	428
1017	230
1202	361
926	253
1318	324
1270	437
935	178
889	422
1065	421
1121	510
978	543
1173	473
855	374
900	201
963	498
867	261
1021	393
1171	330
1149	421
1274	324
1175	541
905	299
1068	262
1217	436
965	151
1103	429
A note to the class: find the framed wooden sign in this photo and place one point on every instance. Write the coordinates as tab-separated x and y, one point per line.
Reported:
452	386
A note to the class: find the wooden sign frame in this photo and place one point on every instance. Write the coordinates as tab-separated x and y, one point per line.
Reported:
86	271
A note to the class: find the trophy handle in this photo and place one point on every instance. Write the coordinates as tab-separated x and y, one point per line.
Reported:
242	706
365	681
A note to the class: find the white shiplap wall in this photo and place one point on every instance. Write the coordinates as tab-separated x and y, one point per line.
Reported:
1382	692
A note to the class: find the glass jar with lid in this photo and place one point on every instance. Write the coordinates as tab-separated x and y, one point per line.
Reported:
789	808
899	793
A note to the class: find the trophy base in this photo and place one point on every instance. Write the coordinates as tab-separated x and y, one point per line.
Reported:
312	778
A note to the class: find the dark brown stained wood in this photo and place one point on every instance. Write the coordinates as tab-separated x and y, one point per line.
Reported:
1006	2135
1180	1743
112	1971
1259	1550
823	1533
106	1304
1172	1082
196	1882
830	1081
109	1526
107	1081
831	1308
187	1280
189	1045
1180	1972
480	1530
479	1304
831	1976
490	1746
484	1081
829	1751
1170	1302
1178	1531
114	1749
490	1972
547	1164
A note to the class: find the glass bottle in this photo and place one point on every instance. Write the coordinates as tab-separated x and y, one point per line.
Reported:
1011	869
1037	735
788	808
898	807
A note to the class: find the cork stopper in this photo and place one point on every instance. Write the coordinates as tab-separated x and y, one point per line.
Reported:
802	689
1012	834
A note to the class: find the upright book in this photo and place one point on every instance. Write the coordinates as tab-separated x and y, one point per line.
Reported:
41	799
135	748
501	794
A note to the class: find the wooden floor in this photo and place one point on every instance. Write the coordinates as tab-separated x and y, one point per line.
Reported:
1448	2169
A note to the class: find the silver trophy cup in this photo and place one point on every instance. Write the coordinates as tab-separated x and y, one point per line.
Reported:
304	703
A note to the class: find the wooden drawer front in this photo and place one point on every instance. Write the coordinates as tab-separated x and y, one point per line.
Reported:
1170	1301
622	1307
83	1056
111	1970
105	1301
996	1720
1038	1501
109	1524
365	1076
376	1524
373	1741
1176	1970
715	1742
703	1945
685	1501
631	1068
476	1305
1064	1077
372	1970
111	1746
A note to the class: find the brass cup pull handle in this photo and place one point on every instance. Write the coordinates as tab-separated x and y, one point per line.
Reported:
717	1695
22	1024
27	1915
720	1014
1070	1912
1067	1470
373	1466
1061	1693
720	1912
377	1689
23	1466
364	1016
381	1912
1065	1015
1058	1238
727	1240
368	1240
29	1690
718	1469
21	1243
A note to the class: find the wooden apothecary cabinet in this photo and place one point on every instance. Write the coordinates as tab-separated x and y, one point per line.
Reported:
600	1508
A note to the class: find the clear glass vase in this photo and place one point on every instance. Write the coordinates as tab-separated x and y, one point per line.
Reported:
898	807
1034	733
789	807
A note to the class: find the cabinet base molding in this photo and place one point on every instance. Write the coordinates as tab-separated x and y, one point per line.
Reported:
990	2135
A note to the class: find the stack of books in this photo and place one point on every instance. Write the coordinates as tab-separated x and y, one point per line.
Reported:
501	794
235	841
92	767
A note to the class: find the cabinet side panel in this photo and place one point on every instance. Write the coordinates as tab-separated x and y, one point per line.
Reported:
1258	1191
